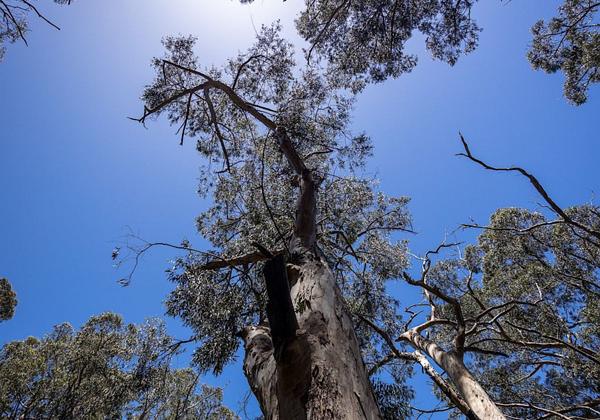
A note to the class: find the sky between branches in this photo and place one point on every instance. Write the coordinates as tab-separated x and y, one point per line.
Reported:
74	172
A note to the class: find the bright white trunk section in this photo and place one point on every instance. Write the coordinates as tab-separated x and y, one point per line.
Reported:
469	389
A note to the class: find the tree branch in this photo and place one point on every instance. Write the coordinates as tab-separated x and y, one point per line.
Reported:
536	184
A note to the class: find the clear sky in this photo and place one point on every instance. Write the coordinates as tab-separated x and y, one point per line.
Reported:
76	175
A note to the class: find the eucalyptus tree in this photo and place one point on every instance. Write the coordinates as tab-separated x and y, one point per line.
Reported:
540	288
365	41
517	313
14	18
303	244
289	215
539	284
303	249
8	300
107	369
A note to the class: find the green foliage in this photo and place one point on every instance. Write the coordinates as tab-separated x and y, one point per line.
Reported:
8	300
365	41
393	400
255	193
368	38
107	369
570	43
526	292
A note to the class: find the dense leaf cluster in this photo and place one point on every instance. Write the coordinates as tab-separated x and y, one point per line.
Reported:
107	369
8	300
570	43
368	38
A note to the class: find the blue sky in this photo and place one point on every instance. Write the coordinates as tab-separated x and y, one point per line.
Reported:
76	175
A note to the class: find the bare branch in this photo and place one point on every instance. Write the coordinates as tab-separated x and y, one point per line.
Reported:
536	184
213	117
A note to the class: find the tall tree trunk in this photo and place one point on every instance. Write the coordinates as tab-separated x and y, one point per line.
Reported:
307	363
468	387
318	373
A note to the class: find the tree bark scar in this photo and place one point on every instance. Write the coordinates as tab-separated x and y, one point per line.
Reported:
280	309
362	408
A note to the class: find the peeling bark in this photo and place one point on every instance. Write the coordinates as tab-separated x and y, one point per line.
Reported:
259	368
313	362
319	373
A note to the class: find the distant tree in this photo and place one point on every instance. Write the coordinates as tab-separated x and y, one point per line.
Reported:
534	312
105	370
14	16
8	300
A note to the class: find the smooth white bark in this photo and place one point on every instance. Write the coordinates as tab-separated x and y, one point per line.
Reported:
468	387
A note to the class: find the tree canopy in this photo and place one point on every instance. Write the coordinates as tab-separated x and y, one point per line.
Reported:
107	369
8	300
365	41
235	112
523	300
304	246
570	43
368	38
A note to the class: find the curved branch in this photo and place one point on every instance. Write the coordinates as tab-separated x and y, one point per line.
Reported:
536	184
